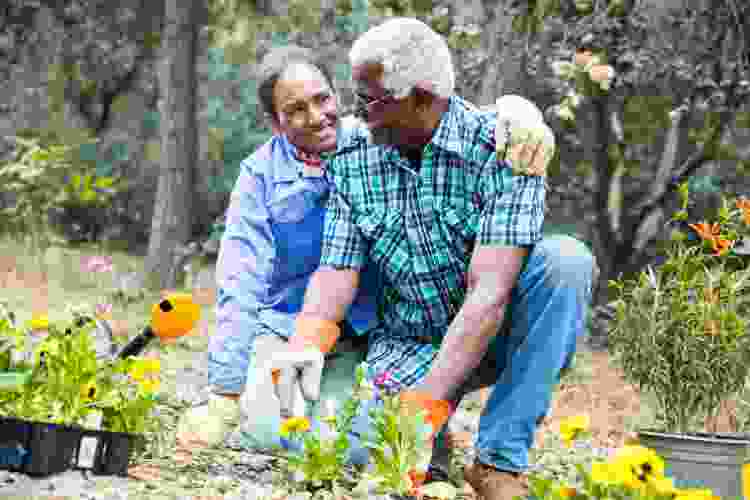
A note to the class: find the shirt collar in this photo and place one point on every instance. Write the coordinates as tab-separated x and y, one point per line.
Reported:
447	134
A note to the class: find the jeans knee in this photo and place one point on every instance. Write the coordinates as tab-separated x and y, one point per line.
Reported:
568	261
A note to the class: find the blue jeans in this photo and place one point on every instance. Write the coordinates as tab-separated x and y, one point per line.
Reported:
536	342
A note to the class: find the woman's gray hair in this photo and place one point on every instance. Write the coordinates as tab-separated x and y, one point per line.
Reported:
411	53
273	65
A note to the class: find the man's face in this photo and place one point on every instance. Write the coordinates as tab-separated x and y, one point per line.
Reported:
306	109
389	119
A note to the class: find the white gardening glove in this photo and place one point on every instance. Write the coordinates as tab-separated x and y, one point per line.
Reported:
522	137
208	424
299	372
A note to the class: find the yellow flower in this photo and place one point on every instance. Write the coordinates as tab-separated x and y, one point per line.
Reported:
603	473
662	485
88	391
144	367
39	322
637	465
571	427
567	492
695	494
137	372
294	425
150	385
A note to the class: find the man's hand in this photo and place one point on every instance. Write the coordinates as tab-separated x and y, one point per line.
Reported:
437	412
522	137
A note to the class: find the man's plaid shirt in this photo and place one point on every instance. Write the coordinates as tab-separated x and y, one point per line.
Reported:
420	227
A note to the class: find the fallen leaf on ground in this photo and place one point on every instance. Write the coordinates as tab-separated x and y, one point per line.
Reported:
145	472
183	457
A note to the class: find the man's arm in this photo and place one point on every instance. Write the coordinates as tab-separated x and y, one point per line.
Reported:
492	276
330	293
510	223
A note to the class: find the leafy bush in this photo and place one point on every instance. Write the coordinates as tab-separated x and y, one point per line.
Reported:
44	175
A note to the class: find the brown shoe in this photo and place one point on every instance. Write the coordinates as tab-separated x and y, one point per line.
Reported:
493	484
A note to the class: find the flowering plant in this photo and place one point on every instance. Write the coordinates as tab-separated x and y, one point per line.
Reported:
633	471
728	236
397	444
681	331
69	385
322	461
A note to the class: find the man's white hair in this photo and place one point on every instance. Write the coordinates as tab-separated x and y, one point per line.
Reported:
410	53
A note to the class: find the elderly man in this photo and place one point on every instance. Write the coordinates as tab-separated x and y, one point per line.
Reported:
475	294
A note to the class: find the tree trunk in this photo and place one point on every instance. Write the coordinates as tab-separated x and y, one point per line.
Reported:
172	220
499	35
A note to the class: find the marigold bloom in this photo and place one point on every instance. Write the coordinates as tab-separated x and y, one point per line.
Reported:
744	205
88	391
571	427
150	385
40	322
294	425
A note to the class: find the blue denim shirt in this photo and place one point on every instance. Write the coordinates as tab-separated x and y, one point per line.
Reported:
269	250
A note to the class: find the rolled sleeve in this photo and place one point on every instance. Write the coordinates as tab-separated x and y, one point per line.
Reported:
344	246
513	214
242	273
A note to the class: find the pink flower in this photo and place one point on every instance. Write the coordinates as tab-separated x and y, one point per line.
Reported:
382	379
97	264
103	310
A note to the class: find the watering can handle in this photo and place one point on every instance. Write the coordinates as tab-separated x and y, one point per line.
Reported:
137	344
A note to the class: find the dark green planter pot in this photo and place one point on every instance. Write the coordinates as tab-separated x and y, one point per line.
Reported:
702	460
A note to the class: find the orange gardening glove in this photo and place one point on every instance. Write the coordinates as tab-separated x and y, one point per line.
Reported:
437	411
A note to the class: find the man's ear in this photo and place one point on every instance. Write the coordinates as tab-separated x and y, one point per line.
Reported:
423	97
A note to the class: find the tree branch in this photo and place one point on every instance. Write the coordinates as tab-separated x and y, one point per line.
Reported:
688	168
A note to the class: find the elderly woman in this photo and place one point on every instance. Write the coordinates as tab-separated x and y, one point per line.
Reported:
272	242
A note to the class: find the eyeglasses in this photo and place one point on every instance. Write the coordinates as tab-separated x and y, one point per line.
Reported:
367	101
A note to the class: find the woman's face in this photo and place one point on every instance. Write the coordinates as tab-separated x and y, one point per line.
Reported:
305	109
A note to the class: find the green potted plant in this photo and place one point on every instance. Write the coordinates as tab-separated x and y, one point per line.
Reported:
680	334
103	404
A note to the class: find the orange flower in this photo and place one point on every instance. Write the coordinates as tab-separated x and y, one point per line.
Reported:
706	231
721	246
567	492
744	205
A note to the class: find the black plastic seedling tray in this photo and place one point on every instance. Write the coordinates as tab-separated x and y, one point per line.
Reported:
36	449
105	453
42	449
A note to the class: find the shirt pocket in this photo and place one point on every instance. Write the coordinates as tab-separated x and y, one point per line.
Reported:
388	242
460	227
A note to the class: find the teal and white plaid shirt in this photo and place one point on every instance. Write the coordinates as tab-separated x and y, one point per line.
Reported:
419	227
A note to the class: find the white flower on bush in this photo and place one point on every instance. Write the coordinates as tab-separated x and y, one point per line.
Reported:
602	74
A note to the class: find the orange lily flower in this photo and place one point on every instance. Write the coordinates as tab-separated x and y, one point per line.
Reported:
706	231
744	205
721	246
